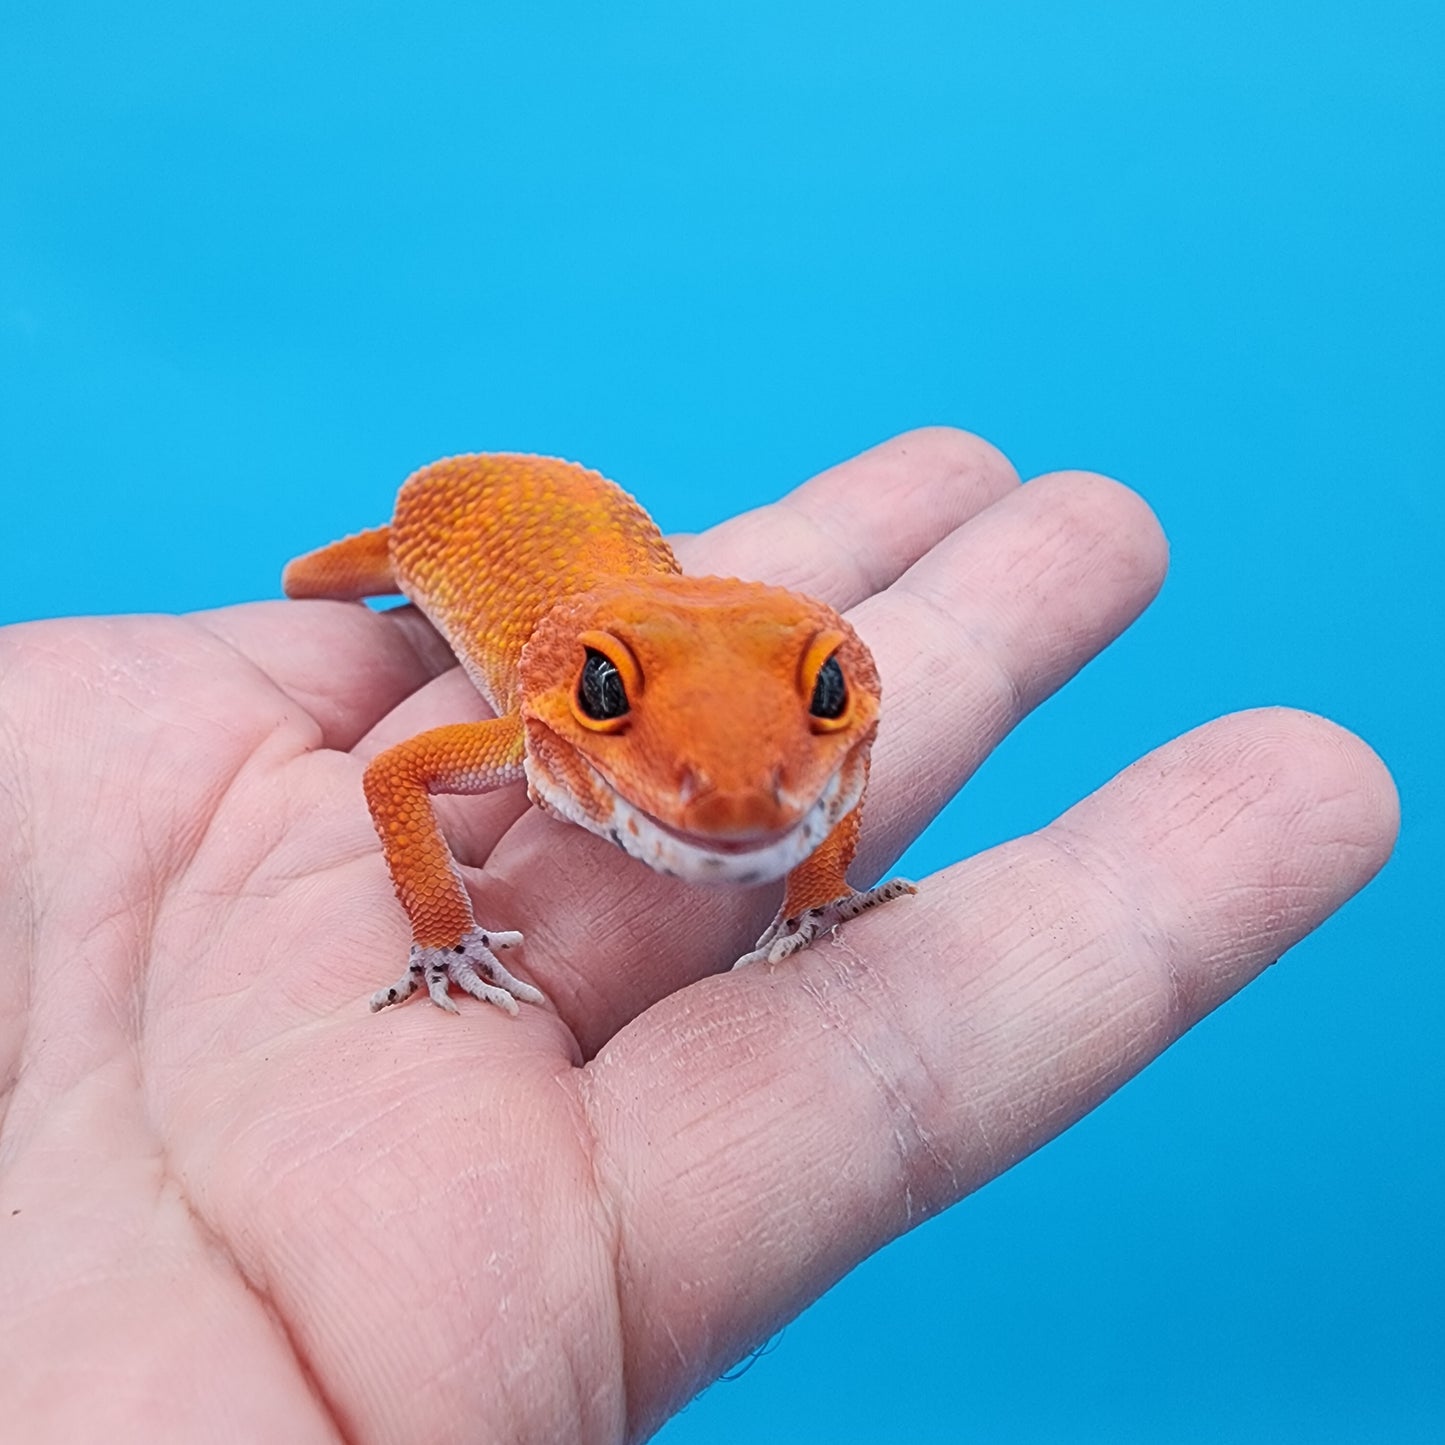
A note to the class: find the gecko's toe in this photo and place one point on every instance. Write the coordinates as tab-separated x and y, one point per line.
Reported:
437	979
789	944
403	988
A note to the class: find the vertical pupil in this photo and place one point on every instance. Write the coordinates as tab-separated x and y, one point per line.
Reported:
830	692
601	694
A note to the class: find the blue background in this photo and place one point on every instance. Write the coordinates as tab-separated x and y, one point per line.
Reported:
256	263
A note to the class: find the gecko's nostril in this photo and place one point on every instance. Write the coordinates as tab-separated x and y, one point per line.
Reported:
692	783
778	785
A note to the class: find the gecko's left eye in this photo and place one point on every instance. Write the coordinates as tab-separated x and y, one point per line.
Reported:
830	692
600	693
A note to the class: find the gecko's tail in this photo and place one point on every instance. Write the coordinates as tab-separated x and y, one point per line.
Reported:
358	566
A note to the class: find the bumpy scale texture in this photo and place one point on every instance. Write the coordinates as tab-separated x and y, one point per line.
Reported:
487	545
461	758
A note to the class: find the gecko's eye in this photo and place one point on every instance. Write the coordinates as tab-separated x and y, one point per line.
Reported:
600	693
830	692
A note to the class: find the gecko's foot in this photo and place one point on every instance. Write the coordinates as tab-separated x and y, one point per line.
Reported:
471	965
788	935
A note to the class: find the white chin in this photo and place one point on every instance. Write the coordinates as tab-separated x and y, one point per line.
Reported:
637	833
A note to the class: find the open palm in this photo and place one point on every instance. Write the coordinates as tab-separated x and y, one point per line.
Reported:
236	1205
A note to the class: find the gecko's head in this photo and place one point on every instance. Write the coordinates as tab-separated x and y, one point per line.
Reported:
715	729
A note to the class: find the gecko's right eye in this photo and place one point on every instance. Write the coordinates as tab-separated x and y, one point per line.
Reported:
830	692
600	693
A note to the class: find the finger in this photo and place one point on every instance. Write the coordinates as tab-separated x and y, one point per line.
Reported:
339	662
988	625
854	528
768	1129
976	633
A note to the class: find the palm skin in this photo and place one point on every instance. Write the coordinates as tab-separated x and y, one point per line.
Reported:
238	1206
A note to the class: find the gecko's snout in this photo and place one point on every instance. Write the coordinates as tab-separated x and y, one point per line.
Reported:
743	815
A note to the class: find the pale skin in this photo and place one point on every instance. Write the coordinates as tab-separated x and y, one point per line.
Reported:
236	1205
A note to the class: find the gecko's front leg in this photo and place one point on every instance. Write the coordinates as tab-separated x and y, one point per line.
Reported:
448	946
817	896
789	932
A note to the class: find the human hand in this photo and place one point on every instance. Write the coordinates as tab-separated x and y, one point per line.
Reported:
237	1205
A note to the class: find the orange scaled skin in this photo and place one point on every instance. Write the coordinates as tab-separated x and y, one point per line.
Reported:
717	770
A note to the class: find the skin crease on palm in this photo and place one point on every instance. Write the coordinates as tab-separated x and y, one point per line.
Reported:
237	1206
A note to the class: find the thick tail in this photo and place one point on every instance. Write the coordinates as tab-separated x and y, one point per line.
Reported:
358	566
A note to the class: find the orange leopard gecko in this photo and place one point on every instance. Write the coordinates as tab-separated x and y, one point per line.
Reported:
718	730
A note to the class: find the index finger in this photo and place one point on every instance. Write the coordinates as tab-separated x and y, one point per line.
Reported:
855	528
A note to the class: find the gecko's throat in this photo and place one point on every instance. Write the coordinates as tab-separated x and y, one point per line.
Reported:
738	860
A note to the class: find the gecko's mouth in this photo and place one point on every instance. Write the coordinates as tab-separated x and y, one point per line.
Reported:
736	847
741	861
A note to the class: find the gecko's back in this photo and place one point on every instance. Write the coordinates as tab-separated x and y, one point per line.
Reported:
486	545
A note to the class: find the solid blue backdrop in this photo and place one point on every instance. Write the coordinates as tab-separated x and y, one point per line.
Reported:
258	262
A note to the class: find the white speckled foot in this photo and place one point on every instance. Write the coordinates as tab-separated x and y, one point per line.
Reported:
471	965
787	935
